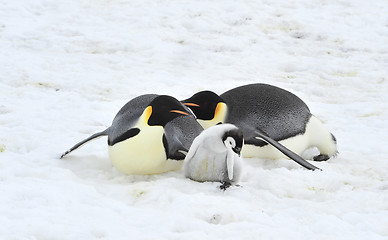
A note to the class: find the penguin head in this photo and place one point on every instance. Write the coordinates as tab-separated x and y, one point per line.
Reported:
234	139
207	107
203	104
164	109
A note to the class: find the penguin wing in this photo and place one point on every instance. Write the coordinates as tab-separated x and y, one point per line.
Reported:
96	135
230	163
193	149
257	137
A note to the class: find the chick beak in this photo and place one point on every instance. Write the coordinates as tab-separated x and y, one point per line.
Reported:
237	150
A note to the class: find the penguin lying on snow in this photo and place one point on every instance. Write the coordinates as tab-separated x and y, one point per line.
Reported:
266	115
214	156
149	135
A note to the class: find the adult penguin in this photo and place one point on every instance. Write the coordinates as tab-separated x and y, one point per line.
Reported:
274	121
150	134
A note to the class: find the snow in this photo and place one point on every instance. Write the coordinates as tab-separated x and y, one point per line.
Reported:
67	67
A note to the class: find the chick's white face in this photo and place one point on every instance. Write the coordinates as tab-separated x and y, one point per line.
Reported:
233	140
230	142
215	155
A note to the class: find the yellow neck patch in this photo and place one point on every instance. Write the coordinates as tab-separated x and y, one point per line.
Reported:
143	153
143	120
219	116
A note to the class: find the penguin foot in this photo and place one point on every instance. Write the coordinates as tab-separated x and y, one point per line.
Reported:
321	157
225	185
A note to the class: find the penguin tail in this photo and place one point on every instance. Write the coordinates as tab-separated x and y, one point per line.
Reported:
96	135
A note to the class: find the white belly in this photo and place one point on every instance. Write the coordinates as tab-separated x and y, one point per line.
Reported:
142	154
315	135
206	168
296	144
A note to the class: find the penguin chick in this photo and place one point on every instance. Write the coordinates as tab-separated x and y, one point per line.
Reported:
214	156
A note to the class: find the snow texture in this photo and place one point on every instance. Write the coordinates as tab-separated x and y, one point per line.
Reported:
67	67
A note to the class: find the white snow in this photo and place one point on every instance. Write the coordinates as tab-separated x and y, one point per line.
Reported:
67	67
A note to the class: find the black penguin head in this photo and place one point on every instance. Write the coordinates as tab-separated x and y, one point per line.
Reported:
235	138
164	109
203	104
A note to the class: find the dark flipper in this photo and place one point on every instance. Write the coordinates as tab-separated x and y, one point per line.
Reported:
286	151
96	135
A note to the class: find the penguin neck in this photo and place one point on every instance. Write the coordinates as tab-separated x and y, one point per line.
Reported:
219	116
143	153
143	119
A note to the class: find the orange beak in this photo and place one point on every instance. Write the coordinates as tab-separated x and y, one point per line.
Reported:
191	104
179	112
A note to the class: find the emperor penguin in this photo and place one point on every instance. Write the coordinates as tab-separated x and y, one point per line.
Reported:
150	134
275	122
214	156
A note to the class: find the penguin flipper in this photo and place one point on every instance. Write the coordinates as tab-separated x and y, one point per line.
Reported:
230	164
96	135
295	157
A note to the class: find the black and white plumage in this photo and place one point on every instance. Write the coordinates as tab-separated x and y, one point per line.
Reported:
150	134
214	156
275	122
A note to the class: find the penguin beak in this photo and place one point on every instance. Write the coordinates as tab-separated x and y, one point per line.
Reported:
179	112
237	150
191	104
183	152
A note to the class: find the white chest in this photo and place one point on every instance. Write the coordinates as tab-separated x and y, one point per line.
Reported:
143	153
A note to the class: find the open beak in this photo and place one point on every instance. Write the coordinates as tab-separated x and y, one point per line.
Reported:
179	112
191	104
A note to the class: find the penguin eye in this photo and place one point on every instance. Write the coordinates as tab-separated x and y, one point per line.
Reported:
232	142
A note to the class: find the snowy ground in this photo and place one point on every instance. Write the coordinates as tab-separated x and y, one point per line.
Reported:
67	67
